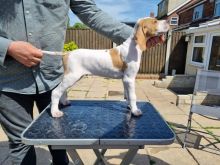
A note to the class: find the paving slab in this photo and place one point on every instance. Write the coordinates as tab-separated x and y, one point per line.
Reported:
3	137
164	107
96	94
205	122
96	88
175	144
206	140
205	157
179	121
77	94
171	156
115	157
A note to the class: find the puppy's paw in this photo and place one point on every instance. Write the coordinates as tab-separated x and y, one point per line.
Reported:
57	113
137	112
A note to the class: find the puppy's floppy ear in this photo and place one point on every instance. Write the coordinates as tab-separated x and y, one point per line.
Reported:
139	36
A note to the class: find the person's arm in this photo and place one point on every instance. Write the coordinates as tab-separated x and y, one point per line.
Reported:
21	51
25	53
96	19
4	44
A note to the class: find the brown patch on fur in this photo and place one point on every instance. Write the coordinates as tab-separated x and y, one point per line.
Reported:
65	60
117	60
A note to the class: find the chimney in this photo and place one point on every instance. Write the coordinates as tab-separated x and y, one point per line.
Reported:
152	14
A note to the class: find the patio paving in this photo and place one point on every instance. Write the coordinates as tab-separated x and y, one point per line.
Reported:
204	146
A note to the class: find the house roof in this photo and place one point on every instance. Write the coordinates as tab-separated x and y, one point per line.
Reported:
213	24
178	7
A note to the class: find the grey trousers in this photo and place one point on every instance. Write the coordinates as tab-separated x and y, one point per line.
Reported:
16	113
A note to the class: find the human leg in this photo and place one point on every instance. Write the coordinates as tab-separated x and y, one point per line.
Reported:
59	156
16	112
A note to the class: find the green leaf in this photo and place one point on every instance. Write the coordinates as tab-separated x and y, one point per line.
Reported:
70	46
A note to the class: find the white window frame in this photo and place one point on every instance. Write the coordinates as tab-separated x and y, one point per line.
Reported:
198	9
177	20
210	48
200	45
217	2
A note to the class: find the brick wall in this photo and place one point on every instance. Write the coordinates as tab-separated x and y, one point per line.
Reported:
187	15
209	9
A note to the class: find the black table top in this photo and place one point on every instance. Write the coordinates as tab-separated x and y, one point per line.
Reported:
95	122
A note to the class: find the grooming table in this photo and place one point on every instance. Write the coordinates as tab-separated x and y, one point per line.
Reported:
99	125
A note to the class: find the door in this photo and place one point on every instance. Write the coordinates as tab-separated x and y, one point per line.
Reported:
214	62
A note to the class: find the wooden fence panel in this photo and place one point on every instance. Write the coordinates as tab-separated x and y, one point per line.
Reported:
89	39
153	60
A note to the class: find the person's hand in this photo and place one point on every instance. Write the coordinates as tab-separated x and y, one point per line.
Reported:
155	41
25	53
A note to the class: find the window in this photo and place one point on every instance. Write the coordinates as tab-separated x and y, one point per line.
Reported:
162	6
198	12
198	54
214	62
174	21
198	50
217	8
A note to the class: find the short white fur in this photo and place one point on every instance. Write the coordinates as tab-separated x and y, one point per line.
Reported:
99	62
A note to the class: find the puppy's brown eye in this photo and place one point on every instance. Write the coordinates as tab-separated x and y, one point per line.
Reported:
155	21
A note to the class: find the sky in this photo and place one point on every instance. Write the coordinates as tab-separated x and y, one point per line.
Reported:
123	10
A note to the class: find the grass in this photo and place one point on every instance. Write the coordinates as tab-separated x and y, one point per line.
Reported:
211	127
213	135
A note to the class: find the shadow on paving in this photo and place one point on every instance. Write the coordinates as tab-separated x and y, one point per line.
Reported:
44	158
139	159
43	155
197	138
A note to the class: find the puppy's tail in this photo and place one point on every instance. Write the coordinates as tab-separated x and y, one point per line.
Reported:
55	53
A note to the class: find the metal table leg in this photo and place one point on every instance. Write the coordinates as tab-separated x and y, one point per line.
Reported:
75	157
129	156
100	157
100	154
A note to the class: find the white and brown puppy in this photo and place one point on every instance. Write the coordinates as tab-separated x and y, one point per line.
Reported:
122	62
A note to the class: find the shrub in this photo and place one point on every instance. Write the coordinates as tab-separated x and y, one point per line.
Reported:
70	46
78	26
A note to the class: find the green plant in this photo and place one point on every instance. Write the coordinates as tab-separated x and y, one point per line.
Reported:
78	25
70	46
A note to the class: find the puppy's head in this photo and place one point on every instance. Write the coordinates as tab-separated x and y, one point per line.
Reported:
146	28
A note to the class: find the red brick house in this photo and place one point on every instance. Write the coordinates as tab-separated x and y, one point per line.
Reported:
201	21
195	12
167	10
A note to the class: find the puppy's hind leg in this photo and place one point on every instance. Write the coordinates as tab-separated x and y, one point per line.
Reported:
68	81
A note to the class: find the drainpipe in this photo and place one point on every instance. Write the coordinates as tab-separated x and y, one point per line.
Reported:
168	51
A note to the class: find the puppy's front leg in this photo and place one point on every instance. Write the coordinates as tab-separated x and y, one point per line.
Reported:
129	84
64	100
125	91
55	97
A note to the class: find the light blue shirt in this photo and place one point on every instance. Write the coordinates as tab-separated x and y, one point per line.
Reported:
43	23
